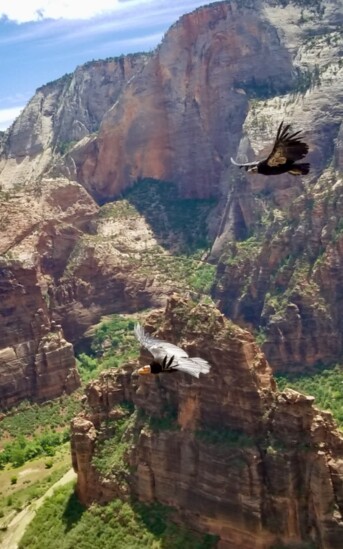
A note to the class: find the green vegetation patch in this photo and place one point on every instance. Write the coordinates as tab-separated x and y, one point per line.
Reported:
31	430
243	251
28	418
110	454
29	482
21	450
113	344
325	384
63	523
176	222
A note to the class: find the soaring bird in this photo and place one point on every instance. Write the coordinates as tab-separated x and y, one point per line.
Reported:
168	358
287	148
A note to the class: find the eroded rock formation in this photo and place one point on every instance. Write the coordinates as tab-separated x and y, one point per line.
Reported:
181	116
60	114
36	362
216	87
235	457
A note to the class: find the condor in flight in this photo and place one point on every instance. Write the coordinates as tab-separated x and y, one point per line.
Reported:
168	358
287	149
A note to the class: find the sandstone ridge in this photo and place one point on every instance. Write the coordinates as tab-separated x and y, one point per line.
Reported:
278	474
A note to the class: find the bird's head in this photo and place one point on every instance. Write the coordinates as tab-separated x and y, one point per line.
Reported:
144	370
252	169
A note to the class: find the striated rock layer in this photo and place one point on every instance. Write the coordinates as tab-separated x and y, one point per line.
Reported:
217	86
233	456
36	362
60	114
181	115
40	227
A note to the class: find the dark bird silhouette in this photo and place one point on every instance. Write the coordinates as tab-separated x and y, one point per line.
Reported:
168	358
287	148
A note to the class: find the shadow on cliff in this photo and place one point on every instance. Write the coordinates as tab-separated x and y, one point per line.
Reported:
158	519
179	224
73	512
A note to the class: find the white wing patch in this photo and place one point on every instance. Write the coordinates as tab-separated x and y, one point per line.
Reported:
162	349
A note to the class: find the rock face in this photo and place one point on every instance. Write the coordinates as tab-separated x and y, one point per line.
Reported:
217	86
278	235
39	230
77	262
60	114
178	119
278	473
36	362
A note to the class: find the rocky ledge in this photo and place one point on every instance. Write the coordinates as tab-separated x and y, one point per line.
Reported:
233	456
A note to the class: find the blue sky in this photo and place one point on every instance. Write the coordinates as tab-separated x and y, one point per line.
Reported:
40	40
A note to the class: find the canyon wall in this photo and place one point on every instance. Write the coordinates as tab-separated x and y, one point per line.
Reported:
232	455
60	114
217	86
36	362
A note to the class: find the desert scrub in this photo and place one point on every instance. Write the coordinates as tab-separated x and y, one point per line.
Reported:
242	251
120	209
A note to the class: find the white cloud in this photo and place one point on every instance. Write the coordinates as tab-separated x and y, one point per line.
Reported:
35	10
8	115
23	11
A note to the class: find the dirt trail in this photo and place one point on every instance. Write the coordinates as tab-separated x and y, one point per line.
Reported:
17	526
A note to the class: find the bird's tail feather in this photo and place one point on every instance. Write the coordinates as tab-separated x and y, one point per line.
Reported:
193	366
139	332
300	169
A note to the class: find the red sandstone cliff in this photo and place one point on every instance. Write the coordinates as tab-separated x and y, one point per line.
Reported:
36	362
215	87
181	116
39	230
240	460
60	114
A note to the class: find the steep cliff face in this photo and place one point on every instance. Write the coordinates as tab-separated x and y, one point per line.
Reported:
235	458
217	86
39	229
36	362
279	235
83	262
180	118
60	114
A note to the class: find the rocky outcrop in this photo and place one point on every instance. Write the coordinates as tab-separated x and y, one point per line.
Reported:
60	114
89	261
216	87
39	229
278	476
36	362
284	280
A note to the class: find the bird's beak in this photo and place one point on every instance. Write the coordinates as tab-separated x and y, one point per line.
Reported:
144	370
252	169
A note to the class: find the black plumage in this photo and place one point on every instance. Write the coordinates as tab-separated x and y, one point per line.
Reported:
168	358
287	149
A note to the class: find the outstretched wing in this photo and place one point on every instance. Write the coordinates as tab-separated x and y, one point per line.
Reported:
170	356
157	347
193	366
287	147
244	164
